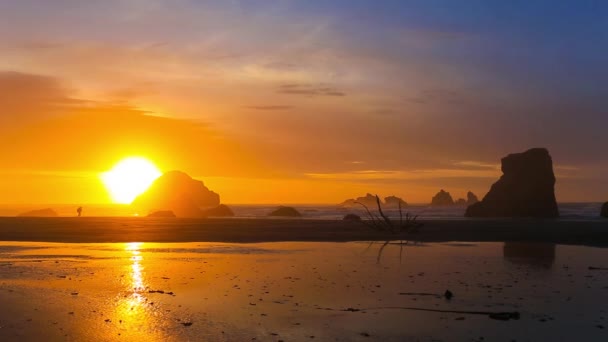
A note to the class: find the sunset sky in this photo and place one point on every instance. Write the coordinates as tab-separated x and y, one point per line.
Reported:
301	101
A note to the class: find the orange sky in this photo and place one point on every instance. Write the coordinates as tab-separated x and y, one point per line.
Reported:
272	104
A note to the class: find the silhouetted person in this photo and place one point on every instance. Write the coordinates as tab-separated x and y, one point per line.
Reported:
79	211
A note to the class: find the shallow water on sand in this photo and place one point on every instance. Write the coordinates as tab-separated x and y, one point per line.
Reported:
301	292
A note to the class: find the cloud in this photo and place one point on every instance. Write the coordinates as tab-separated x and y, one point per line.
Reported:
438	96
270	107
27	96
309	90
405	175
64	133
476	165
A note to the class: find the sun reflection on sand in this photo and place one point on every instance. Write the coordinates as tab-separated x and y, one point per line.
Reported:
136	268
134	312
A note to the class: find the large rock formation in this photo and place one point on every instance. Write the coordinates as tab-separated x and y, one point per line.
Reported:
221	210
162	213
48	212
526	188
471	198
394	201
604	212
179	193
285	211
442	198
367	200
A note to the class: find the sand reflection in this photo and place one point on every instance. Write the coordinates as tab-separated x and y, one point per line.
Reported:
540	255
136	269
133	311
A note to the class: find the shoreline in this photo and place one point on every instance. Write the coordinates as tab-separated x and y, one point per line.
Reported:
253	230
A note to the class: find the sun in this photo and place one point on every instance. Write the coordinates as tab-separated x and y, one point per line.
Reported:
129	178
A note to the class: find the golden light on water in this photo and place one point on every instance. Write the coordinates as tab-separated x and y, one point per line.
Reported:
132	304
134	315
136	268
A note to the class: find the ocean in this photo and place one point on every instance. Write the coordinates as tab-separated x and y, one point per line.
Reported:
570	211
331	212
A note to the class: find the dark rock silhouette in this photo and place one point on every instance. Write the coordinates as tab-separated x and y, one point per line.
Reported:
367	200
352	217
394	201
460	201
178	192
471	198
604	212
48	212
285	211
442	198
526	188
221	210
162	213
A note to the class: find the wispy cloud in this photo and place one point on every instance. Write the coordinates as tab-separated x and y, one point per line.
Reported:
405	175
270	107
472	164
309	90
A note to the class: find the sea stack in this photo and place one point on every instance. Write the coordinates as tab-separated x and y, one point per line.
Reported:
285	212
394	201
442	198
526	188
177	192
460	201
604	212
368	200
221	210
471	198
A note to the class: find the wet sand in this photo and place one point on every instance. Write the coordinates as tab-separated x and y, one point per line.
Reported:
301	291
129	229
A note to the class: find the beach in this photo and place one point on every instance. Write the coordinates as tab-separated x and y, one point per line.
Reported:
262	279
589	232
302	291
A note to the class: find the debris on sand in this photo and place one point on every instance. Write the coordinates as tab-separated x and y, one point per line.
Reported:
448	294
502	316
591	268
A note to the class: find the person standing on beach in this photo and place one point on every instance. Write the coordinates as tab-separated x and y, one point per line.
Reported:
79	211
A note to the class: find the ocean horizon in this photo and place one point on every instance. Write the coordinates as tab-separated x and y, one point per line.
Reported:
568	210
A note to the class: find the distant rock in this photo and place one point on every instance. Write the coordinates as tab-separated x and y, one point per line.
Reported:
162	213
285	211
460	201
442	198
221	210
178	192
368	200
471	198
604	212
48	212
526	188
394	201
352	218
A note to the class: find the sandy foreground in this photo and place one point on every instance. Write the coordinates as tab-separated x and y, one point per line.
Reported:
302	291
131	229
140	279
